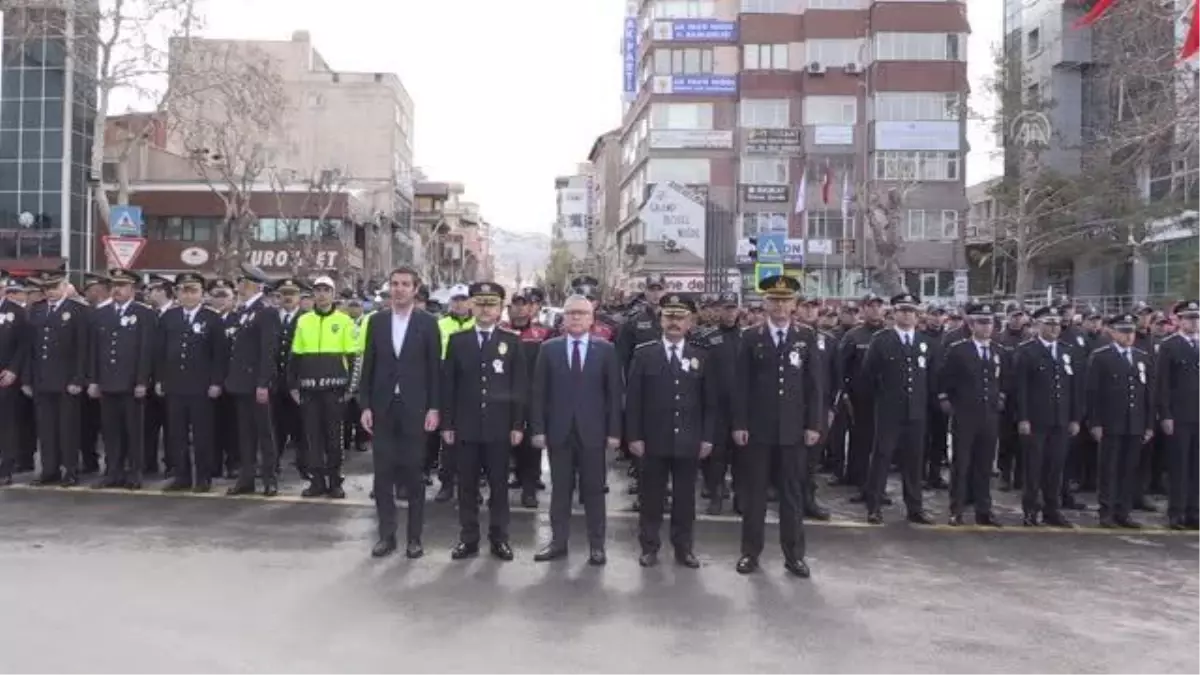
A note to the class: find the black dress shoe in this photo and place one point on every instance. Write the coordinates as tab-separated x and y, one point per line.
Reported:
46	480
687	559
384	547
1145	505
1057	520
715	507
875	518
938	483
529	500
69	481
240	489
444	494
502	551
314	489
549	553
919	518
797	567
270	489
955	520
1108	523
177	486
203	487
1129	523
747	564
1030	520
414	550
987	520
1072	504
649	559
5	481
597	557
463	550
108	484
336	491
815	511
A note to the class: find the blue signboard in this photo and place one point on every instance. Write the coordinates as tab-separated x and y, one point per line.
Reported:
771	248
629	53
696	30
703	84
125	221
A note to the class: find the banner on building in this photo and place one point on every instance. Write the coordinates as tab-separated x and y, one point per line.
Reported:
675	216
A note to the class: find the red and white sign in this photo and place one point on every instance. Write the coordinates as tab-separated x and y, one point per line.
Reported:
123	251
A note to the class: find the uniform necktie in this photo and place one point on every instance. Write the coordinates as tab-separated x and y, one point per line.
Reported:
1053	352
907	340
675	357
1128	356
986	354
779	338
483	338
576	357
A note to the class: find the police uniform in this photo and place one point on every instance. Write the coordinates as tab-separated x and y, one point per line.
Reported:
485	380
642	327
898	368
14	346
721	342
353	435
253	349
154	408
1009	453
448	325
969	384
778	398
57	375
89	408
670	409
527	460
858	399
192	359
938	427
1120	408
285	411
1178	375
225	436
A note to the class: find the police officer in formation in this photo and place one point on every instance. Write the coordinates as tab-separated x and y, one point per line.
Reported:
13	355
1178	405
523	310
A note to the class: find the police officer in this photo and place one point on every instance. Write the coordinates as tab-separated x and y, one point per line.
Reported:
777	407
161	297
670	411
969	391
1121	417
485	384
324	346
122	360
644	325
898	368
1178	373
721	341
353	435
58	370
25	293
14	346
222	295
527	460
250	380
96	292
458	319
285	410
192	356
858	396
824	347
1009	454
938	427
1047	407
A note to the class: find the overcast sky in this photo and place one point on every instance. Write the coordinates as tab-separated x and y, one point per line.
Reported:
508	95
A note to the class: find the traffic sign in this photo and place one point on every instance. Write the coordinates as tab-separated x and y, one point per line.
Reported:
123	251
771	248
125	221
765	270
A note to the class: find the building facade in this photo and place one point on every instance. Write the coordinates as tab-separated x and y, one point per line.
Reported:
455	239
605	158
47	114
783	114
575	211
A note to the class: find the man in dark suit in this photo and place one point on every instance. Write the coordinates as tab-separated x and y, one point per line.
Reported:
671	414
252	372
398	387
1178	371
575	412
122	351
484	387
14	348
778	406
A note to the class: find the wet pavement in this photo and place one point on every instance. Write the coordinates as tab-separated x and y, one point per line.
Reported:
101	582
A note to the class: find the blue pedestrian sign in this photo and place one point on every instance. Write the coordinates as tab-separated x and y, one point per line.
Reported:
125	221
766	271
771	248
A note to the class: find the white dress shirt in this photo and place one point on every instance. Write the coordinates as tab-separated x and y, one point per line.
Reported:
667	345
776	330
583	341
906	336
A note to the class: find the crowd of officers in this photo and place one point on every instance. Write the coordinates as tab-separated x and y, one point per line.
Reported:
1058	401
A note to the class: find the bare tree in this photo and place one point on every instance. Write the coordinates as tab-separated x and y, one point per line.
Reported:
881	207
304	204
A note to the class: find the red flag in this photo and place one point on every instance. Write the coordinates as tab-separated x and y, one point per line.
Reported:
826	183
1097	10
1191	44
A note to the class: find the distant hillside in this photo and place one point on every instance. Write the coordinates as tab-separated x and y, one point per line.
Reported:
519	253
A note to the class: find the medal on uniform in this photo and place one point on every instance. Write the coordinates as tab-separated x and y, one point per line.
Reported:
132	319
197	327
498	366
821	342
242	319
685	365
997	372
921	359
334	328
924	348
1066	359
1079	339
695	363
794	357
1068	370
66	316
1142	371
502	348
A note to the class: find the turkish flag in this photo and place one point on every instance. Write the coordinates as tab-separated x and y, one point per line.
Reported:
1097	10
826	183
1191	44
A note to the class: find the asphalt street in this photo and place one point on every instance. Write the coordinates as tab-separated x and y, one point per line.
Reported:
109	582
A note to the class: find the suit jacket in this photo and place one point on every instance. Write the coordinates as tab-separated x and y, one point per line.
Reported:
413	376
672	408
122	347
589	402
1047	391
1119	394
254	342
779	391
484	390
1178	376
14	337
287	335
190	357
58	348
972	386
901	378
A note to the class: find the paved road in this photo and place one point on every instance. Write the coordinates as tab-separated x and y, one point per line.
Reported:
102	582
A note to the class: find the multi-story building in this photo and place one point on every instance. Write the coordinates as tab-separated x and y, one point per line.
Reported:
455	238
605	157
777	111
575	211
47	114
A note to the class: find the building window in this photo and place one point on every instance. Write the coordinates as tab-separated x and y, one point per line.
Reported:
764	113
930	283
686	171
1033	41
755	224
917	165
835	53
828	224
1174	268
691	61
296	229
681	116
765	171
837	110
181	228
765	6
765	57
920	47
925	225
832	283
683	9
917	107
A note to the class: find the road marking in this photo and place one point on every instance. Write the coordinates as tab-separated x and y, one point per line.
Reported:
836	523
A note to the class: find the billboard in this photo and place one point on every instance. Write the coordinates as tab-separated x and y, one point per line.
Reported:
688	139
696	30
695	84
629	53
773	141
573	201
675	215
767	194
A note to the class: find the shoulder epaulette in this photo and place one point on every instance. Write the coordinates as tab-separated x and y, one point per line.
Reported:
1025	342
881	330
509	330
957	343
1139	350
646	344
1097	350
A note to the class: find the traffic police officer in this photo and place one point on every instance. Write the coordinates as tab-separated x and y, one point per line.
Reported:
14	346
670	415
1178	375
1121	414
353	435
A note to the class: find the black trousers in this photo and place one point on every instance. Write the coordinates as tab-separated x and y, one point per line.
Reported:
491	458
974	453
567	460
1082	460
716	467
906	442
935	445
154	420
447	466
433	445
1119	458
1045	457
288	426
527	463
27	432
122	421
89	451
1183	448
190	430
835	444
256	442
10	448
1145	468
396	457
322	414
225	436
753	479
353	435
58	433
862	443
682	472
1009	459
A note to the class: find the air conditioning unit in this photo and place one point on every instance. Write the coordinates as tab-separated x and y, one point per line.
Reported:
816	68
670	245
853	68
